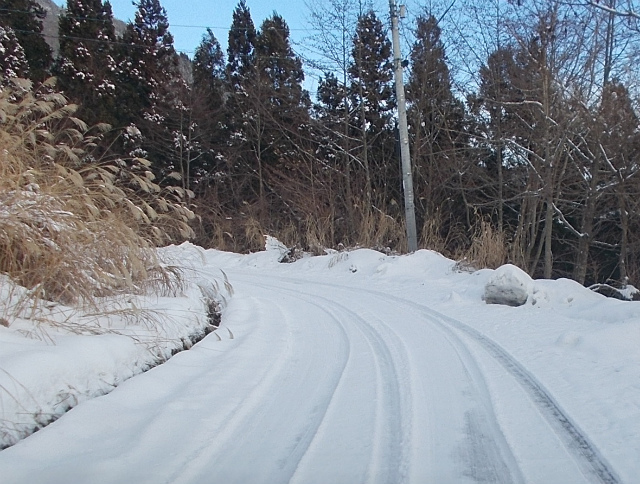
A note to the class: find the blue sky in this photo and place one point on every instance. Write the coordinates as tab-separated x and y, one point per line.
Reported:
188	19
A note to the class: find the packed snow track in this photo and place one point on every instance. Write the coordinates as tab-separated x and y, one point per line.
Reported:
310	380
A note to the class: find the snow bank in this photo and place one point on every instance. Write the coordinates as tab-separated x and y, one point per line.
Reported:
53	361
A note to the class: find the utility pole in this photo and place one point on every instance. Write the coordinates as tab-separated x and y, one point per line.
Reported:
407	177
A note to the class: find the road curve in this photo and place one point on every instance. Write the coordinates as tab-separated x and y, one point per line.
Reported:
308	383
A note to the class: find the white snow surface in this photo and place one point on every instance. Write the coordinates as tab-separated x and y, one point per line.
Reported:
347	368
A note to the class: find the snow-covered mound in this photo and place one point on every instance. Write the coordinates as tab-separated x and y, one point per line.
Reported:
509	285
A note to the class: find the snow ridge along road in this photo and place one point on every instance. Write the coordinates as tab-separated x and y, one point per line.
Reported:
326	380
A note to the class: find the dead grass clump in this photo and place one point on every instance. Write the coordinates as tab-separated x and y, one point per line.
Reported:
430	235
72	229
318	234
381	231
440	235
488	248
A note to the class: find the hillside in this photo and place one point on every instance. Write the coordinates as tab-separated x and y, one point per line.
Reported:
50	24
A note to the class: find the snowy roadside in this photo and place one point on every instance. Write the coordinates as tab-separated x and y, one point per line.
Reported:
59	357
558	373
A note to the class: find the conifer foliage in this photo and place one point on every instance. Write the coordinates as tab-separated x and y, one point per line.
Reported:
207	99
150	86
24	18
13	62
373	101
283	102
86	66
436	119
241	44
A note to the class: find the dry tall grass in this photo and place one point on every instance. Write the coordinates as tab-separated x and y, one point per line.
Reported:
488	248
379	230
73	229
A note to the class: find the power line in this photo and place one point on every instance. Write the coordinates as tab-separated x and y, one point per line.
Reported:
88	39
134	45
212	27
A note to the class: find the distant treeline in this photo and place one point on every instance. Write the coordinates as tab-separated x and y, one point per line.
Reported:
524	132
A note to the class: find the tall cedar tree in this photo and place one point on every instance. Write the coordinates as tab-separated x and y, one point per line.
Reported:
240	70
436	120
241	44
13	62
284	102
208	93
244	156
281	122
330	110
86	67
147	59
268	103
495	94
150	86
373	104
25	17
334	22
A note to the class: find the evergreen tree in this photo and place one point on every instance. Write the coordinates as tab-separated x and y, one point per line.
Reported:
495	95
240	50
283	101
152	90
240	109
269	106
25	17
331	109
86	67
372	74
13	62
148	60
208	64
373	104
208	98
436	120
240	73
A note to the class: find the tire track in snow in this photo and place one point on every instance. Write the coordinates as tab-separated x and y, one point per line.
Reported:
579	445
388	464
493	460
199	468
389	461
489	458
585	453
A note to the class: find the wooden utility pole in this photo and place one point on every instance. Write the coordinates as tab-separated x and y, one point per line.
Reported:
407	177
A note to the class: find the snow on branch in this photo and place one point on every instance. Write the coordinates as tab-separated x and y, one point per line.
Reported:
567	224
615	11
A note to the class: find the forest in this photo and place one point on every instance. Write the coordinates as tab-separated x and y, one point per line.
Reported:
523	123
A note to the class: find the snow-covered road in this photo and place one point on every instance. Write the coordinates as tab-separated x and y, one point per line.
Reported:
335	376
